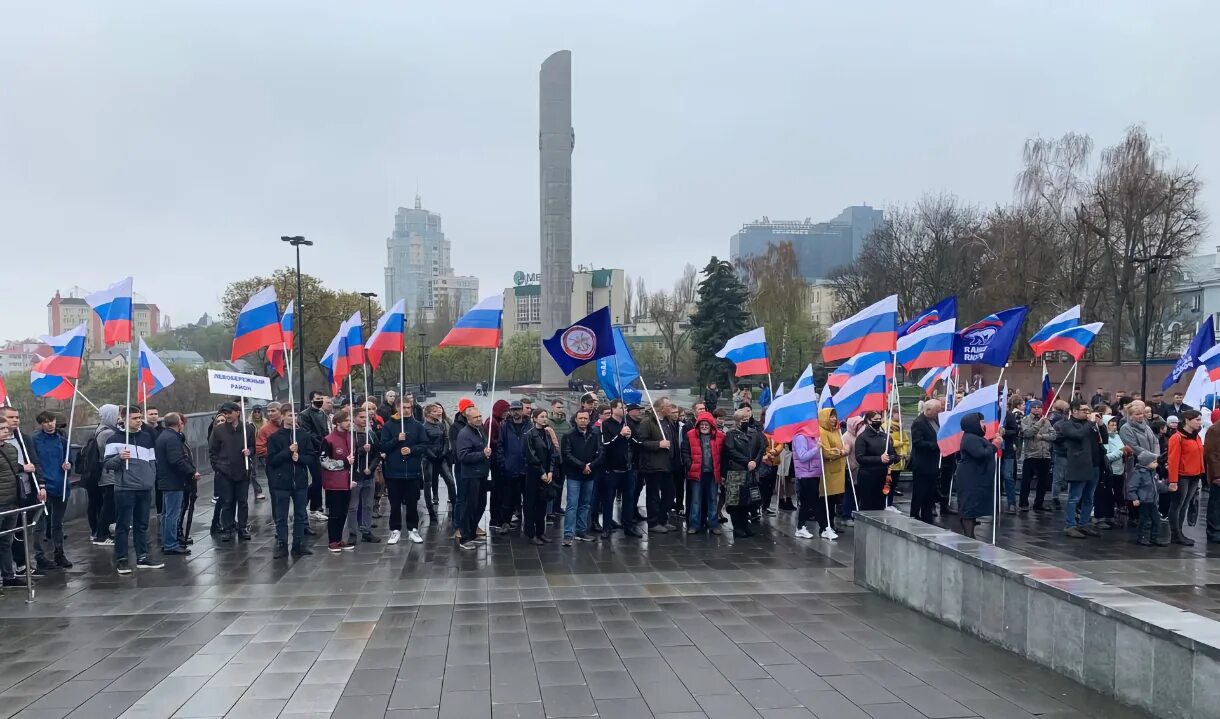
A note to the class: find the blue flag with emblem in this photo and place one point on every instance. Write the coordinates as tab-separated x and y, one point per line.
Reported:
1204	339
587	339
990	340
616	372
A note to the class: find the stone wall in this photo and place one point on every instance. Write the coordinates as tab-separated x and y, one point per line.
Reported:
1141	651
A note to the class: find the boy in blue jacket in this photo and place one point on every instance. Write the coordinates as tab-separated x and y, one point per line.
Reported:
51	448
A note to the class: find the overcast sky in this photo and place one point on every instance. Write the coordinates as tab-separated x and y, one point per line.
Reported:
176	141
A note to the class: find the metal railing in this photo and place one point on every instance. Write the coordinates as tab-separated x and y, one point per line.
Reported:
25	527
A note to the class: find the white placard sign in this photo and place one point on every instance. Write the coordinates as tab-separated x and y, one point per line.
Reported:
236	384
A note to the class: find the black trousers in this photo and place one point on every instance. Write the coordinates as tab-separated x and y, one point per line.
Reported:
337	501
402	491
233	507
94	508
1179	502
924	495
1035	468
948	467
678	476
870	486
315	487
809	500
434	471
534	507
510	495
660	497
1108	495
1213	513
766	483
473	504
188	511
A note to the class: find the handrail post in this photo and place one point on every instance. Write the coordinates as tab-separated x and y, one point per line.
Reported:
27	538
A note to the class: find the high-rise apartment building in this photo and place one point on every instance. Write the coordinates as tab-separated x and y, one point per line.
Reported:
820	247
418	268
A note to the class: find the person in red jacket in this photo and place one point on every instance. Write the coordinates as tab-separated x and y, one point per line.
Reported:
1186	472
704	473
337	461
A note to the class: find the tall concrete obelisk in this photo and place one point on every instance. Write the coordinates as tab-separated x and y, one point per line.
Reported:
556	139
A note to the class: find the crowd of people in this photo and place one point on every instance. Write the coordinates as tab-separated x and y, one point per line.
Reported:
1113	461
530	470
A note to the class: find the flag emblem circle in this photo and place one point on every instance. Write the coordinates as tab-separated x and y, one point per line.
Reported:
579	342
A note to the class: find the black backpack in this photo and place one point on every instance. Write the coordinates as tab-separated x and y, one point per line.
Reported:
88	463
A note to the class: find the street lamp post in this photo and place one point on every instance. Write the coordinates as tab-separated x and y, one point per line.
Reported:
296	242
1149	277
368	334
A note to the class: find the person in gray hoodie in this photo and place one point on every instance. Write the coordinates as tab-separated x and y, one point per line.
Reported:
1142	489
100	487
131	465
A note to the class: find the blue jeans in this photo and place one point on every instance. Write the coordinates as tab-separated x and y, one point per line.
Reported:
1059	480
279	504
171	515
1080	493
576	514
701	504
1008	469
131	516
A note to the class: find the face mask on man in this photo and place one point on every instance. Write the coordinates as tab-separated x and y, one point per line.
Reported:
317	403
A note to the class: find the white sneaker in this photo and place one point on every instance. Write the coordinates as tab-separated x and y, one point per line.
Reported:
317	516
829	534
413	535
394	537
803	533
893	509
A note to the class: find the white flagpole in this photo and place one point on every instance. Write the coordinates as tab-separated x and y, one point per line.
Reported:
351	430
850	479
245	439
291	403
995	516
1055	396
364	371
495	366
68	447
76	387
825	494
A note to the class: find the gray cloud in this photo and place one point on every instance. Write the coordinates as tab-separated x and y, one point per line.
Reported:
178	141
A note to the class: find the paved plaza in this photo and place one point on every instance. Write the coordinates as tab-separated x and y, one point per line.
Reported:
679	627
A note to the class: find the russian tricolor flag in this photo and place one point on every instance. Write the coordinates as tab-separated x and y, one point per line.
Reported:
1211	362
928	382
985	401
67	353
826	400
480	327
872	329
748	352
1059	323
793	413
859	363
334	360
864	391
927	339
390	334
806	378
113	306
154	375
1073	340
1048	392
50	385
3	393
354	342
258	324
275	353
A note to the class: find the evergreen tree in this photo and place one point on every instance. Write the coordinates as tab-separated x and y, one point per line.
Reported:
720	313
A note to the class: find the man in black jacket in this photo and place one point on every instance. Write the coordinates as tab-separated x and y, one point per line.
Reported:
288	463
175	475
581	453
510	456
231	449
711	397
675	428
656	461
925	462
474	462
403	441
618	449
315	419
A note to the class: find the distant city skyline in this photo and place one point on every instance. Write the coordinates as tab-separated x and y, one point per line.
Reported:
179	146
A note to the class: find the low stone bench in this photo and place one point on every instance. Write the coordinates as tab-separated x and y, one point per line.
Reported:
1141	651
